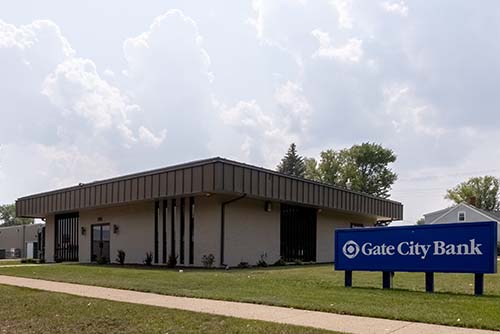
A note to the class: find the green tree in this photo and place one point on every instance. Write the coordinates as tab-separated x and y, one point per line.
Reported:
483	189
362	167
292	163
8	216
367	168
311	169
331	166
421	221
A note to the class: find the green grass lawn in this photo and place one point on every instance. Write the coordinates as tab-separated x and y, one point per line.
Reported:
9	262
26	311
306	287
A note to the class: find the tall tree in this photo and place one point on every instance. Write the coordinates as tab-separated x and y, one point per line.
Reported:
363	167
484	190
292	163
8	216
367	168
311	169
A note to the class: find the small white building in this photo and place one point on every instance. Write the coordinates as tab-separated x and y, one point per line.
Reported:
462	213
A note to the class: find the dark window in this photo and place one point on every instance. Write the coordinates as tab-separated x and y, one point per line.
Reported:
172	230
66	237
164	231
191	230
182	232
100	244
461	216
298	233
157	211
35	250
41	243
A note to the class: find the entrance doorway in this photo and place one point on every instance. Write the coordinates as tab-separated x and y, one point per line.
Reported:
100	243
66	237
298	233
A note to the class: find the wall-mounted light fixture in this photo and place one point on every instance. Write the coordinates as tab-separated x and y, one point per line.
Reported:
84	230
116	229
268	206
99	219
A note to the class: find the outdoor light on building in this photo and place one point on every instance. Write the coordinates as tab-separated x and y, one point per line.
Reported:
116	229
269	206
83	230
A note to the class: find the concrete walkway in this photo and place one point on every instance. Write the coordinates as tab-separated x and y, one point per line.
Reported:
322	320
20	265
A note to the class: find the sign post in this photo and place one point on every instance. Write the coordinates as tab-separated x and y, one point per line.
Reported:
348	279
386	280
478	284
446	248
429	282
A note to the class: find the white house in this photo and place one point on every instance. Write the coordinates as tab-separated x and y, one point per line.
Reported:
462	212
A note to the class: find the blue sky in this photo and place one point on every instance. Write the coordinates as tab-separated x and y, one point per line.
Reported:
94	89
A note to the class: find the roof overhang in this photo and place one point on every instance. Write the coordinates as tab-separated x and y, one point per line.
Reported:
216	175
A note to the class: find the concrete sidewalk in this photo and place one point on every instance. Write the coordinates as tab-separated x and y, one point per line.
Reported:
322	320
20	265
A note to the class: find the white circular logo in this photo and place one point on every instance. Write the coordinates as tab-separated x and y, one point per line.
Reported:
350	249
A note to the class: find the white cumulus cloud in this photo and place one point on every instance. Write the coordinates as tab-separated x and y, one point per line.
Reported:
399	8
352	51
343	9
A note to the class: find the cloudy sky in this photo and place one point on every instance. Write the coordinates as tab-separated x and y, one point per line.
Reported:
95	89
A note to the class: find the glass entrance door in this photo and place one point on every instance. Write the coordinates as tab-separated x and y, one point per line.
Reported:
100	243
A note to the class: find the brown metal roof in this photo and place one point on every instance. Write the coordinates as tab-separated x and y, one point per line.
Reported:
215	175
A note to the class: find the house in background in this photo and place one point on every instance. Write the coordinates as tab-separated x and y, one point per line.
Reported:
21	241
233	211
462	213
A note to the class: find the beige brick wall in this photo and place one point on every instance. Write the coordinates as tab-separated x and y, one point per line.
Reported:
135	236
49	238
250	230
328	221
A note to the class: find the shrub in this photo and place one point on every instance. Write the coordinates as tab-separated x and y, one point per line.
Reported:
41	261
121	257
298	262
208	260
28	261
172	261
102	260
280	262
149	259
243	265
262	262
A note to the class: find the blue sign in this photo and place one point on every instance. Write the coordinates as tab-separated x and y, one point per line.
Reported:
456	248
